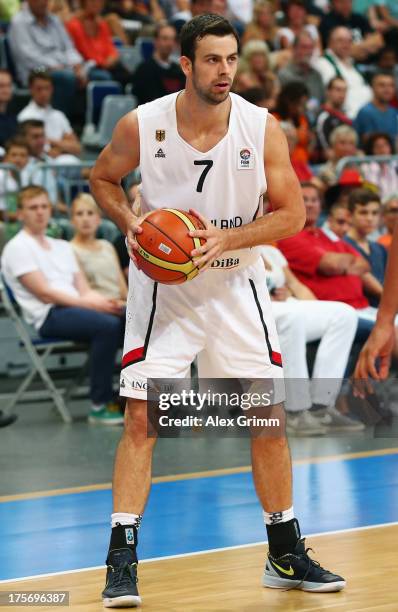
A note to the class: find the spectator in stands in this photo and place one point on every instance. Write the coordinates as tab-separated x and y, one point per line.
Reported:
263	27
8	121
55	297
382	174
301	318
301	168
61	8
137	10
59	133
338	221
343	142
92	37
39	39
296	24
262	96
300	68
244	79
331	115
34	133
255	58
378	115
17	153
338	61
366	41
97	258
290	107
159	75
365	206
331	268
390	217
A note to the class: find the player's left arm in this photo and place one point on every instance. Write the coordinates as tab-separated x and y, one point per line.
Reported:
284	193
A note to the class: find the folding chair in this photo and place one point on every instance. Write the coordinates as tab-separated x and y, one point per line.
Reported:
38	349
96	91
113	109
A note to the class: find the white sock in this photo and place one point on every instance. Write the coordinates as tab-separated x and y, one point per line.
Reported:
124	518
272	518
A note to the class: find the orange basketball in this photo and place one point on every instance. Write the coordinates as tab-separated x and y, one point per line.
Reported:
164	251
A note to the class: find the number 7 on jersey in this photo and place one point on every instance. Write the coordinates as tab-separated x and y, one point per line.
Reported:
208	163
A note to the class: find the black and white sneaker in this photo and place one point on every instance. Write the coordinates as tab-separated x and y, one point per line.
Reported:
121	580
298	571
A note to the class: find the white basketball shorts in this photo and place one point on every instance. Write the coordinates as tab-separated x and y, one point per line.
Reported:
223	317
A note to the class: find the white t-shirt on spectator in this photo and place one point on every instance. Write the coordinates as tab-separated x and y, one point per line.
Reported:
23	254
56	123
278	262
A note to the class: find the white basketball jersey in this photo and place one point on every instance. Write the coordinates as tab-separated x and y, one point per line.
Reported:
225	184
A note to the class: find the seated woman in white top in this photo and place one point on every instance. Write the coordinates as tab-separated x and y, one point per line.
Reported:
97	258
301	318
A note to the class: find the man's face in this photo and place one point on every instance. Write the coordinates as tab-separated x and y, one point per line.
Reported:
42	91
18	156
344	146
337	93
381	146
35	213
341	42
390	215
39	8
383	88
343	7
36	140
5	88
339	221
312	204
304	50
365	218
165	42
214	68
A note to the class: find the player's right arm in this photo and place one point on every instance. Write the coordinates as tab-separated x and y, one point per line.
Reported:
117	159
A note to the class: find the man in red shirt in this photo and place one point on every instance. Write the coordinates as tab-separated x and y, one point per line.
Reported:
330	267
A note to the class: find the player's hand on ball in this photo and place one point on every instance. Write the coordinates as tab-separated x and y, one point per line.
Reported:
134	227
215	245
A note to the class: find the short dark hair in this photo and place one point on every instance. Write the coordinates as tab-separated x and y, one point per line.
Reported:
201	26
292	91
333	80
362	197
380	73
16	141
24	126
41	74
337	206
370	139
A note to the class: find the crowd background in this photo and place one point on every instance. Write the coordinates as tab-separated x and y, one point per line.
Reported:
327	69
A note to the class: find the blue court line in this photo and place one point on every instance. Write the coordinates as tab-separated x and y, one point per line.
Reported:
66	532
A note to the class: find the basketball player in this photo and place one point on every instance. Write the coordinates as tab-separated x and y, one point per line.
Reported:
382	338
204	149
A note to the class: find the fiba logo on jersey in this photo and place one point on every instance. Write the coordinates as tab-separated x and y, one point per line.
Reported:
245	159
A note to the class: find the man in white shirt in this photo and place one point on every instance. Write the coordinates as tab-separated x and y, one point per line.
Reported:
337	61
56	299
39	39
58	129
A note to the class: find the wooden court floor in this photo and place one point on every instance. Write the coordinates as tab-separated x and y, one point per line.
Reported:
230	580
